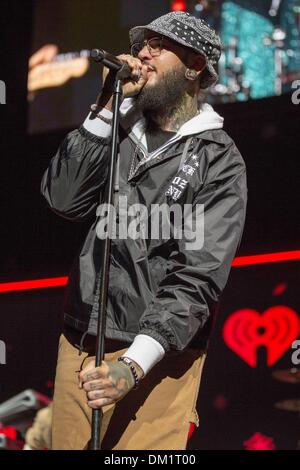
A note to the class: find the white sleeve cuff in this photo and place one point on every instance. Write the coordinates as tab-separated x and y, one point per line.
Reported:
145	351
98	127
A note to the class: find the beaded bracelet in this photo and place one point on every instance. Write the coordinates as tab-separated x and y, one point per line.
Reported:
95	109
129	363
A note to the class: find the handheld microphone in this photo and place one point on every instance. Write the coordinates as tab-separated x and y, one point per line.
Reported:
112	62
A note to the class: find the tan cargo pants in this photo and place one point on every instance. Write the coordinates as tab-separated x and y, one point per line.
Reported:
156	416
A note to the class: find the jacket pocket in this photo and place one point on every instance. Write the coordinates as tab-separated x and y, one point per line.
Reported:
158	268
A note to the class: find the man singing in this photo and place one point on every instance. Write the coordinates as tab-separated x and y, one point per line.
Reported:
163	292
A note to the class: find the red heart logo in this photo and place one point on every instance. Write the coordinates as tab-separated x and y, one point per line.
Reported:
276	329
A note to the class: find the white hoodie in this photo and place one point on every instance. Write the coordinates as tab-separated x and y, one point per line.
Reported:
207	119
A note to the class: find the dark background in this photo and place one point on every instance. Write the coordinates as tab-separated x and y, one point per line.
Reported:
36	243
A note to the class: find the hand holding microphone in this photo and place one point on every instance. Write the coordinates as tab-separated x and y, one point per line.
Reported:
136	78
129	69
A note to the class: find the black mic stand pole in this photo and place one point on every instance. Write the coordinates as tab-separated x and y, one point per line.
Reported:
97	415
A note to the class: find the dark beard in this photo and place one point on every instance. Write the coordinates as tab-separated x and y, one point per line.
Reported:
165	95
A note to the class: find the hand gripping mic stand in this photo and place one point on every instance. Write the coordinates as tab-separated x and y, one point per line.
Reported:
94	443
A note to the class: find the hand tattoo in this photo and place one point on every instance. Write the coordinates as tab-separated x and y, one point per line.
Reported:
121	379
116	380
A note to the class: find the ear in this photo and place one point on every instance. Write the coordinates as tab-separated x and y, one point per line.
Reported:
198	63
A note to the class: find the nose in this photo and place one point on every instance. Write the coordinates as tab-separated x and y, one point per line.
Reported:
144	53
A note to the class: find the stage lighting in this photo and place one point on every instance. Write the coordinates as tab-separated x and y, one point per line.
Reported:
178	5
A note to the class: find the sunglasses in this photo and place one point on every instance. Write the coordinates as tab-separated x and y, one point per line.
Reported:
154	46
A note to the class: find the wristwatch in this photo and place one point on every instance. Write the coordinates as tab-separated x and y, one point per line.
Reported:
130	364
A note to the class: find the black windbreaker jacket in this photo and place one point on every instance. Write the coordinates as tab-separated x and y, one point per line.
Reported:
157	287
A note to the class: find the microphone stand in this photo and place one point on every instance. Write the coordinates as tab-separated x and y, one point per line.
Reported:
97	415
